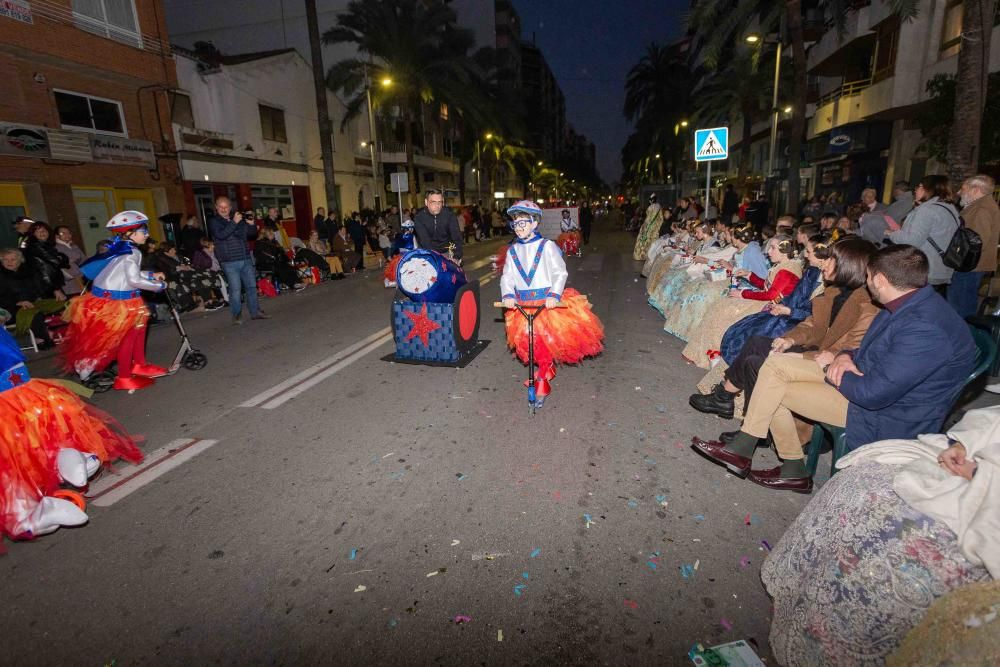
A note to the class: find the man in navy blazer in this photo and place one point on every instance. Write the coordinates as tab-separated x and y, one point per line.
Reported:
902	381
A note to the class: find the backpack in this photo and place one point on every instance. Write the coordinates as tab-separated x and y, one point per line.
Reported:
964	249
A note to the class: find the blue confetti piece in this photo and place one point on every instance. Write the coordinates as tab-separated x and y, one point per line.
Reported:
518	589
587	521
660	499
649	461
397	475
525	575
461	476
393	623
652	565
687	571
699	517
633	503
661	409
354	554
535	553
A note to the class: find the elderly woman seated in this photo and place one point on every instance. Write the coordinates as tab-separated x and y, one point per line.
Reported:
191	289
904	523
272	258
23	295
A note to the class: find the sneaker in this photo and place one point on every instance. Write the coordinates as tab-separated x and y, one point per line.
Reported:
298	287
237	320
212	306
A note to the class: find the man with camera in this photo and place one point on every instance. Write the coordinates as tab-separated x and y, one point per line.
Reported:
231	233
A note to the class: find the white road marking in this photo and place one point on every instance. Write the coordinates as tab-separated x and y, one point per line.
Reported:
111	488
314	369
310	382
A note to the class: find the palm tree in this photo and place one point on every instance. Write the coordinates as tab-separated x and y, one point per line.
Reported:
971	83
415	45
499	156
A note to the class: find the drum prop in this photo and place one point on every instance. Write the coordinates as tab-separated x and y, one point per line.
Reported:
438	334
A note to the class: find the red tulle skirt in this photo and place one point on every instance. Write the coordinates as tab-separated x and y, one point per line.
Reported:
566	335
390	268
569	242
37	419
96	329
501	260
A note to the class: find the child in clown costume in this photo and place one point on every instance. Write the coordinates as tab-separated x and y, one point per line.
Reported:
534	273
47	436
405	242
109	322
570	239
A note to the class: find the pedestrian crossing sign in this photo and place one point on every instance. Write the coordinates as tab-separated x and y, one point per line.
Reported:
711	144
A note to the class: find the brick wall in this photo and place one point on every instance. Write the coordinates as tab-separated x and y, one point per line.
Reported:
54	54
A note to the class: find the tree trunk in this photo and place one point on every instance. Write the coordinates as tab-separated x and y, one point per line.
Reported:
461	182
971	81
322	108
793	8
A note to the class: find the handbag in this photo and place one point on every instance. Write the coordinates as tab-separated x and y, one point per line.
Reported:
964	249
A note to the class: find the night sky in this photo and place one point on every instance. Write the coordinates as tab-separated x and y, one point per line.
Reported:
590	46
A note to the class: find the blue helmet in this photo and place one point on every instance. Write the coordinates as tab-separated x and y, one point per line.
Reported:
526	206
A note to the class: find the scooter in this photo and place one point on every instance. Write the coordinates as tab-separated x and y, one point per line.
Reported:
187	356
530	313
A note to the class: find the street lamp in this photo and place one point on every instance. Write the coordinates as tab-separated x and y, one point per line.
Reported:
478	171
776	40
376	159
684	123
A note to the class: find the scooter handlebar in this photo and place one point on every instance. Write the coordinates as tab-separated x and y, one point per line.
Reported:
499	304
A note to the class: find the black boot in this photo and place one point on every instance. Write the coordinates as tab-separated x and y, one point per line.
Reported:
720	402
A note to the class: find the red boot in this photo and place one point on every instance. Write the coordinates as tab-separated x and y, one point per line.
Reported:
132	383
149	370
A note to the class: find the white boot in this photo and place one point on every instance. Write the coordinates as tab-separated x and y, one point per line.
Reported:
75	467
49	515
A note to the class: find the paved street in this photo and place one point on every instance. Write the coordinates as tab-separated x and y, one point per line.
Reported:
354	522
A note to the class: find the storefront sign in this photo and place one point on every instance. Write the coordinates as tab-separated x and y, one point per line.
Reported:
840	142
19	10
118	150
23	140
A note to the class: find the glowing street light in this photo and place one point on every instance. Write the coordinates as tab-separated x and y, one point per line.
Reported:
489	135
788	109
539	163
657	156
684	123
752	38
386	82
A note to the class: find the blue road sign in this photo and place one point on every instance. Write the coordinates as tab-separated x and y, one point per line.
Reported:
711	144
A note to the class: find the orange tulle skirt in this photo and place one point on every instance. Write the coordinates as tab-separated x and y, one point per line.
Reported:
37	419
567	335
569	242
96	329
390	268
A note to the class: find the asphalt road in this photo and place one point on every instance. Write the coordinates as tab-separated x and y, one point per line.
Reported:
356	521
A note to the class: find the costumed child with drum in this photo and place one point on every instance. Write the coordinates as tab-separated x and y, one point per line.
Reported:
534	274
109	321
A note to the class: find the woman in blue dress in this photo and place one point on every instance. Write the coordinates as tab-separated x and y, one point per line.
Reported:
780	318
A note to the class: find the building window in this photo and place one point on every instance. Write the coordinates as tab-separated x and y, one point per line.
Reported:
114	19
444	111
951	31
181	112
269	196
94	114
272	124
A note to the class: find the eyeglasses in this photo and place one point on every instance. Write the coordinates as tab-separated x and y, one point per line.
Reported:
520	223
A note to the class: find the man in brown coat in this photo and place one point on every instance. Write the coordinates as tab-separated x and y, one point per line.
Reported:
982	216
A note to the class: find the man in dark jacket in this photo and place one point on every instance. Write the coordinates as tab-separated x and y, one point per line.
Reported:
586	221
357	233
913	361
437	227
730	203
231	233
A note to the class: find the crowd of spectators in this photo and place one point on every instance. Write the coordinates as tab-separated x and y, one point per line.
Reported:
846	322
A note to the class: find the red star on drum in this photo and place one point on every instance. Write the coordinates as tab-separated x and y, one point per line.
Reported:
422	326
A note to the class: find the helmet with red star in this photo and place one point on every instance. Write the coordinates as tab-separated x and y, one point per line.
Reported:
127	221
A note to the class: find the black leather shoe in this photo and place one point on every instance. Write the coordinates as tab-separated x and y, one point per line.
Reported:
720	402
727	437
715	451
770	479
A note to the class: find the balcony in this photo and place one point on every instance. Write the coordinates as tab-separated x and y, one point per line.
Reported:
852	102
395	153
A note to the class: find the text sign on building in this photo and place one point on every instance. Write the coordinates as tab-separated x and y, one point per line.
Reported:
118	150
19	10
24	140
711	144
